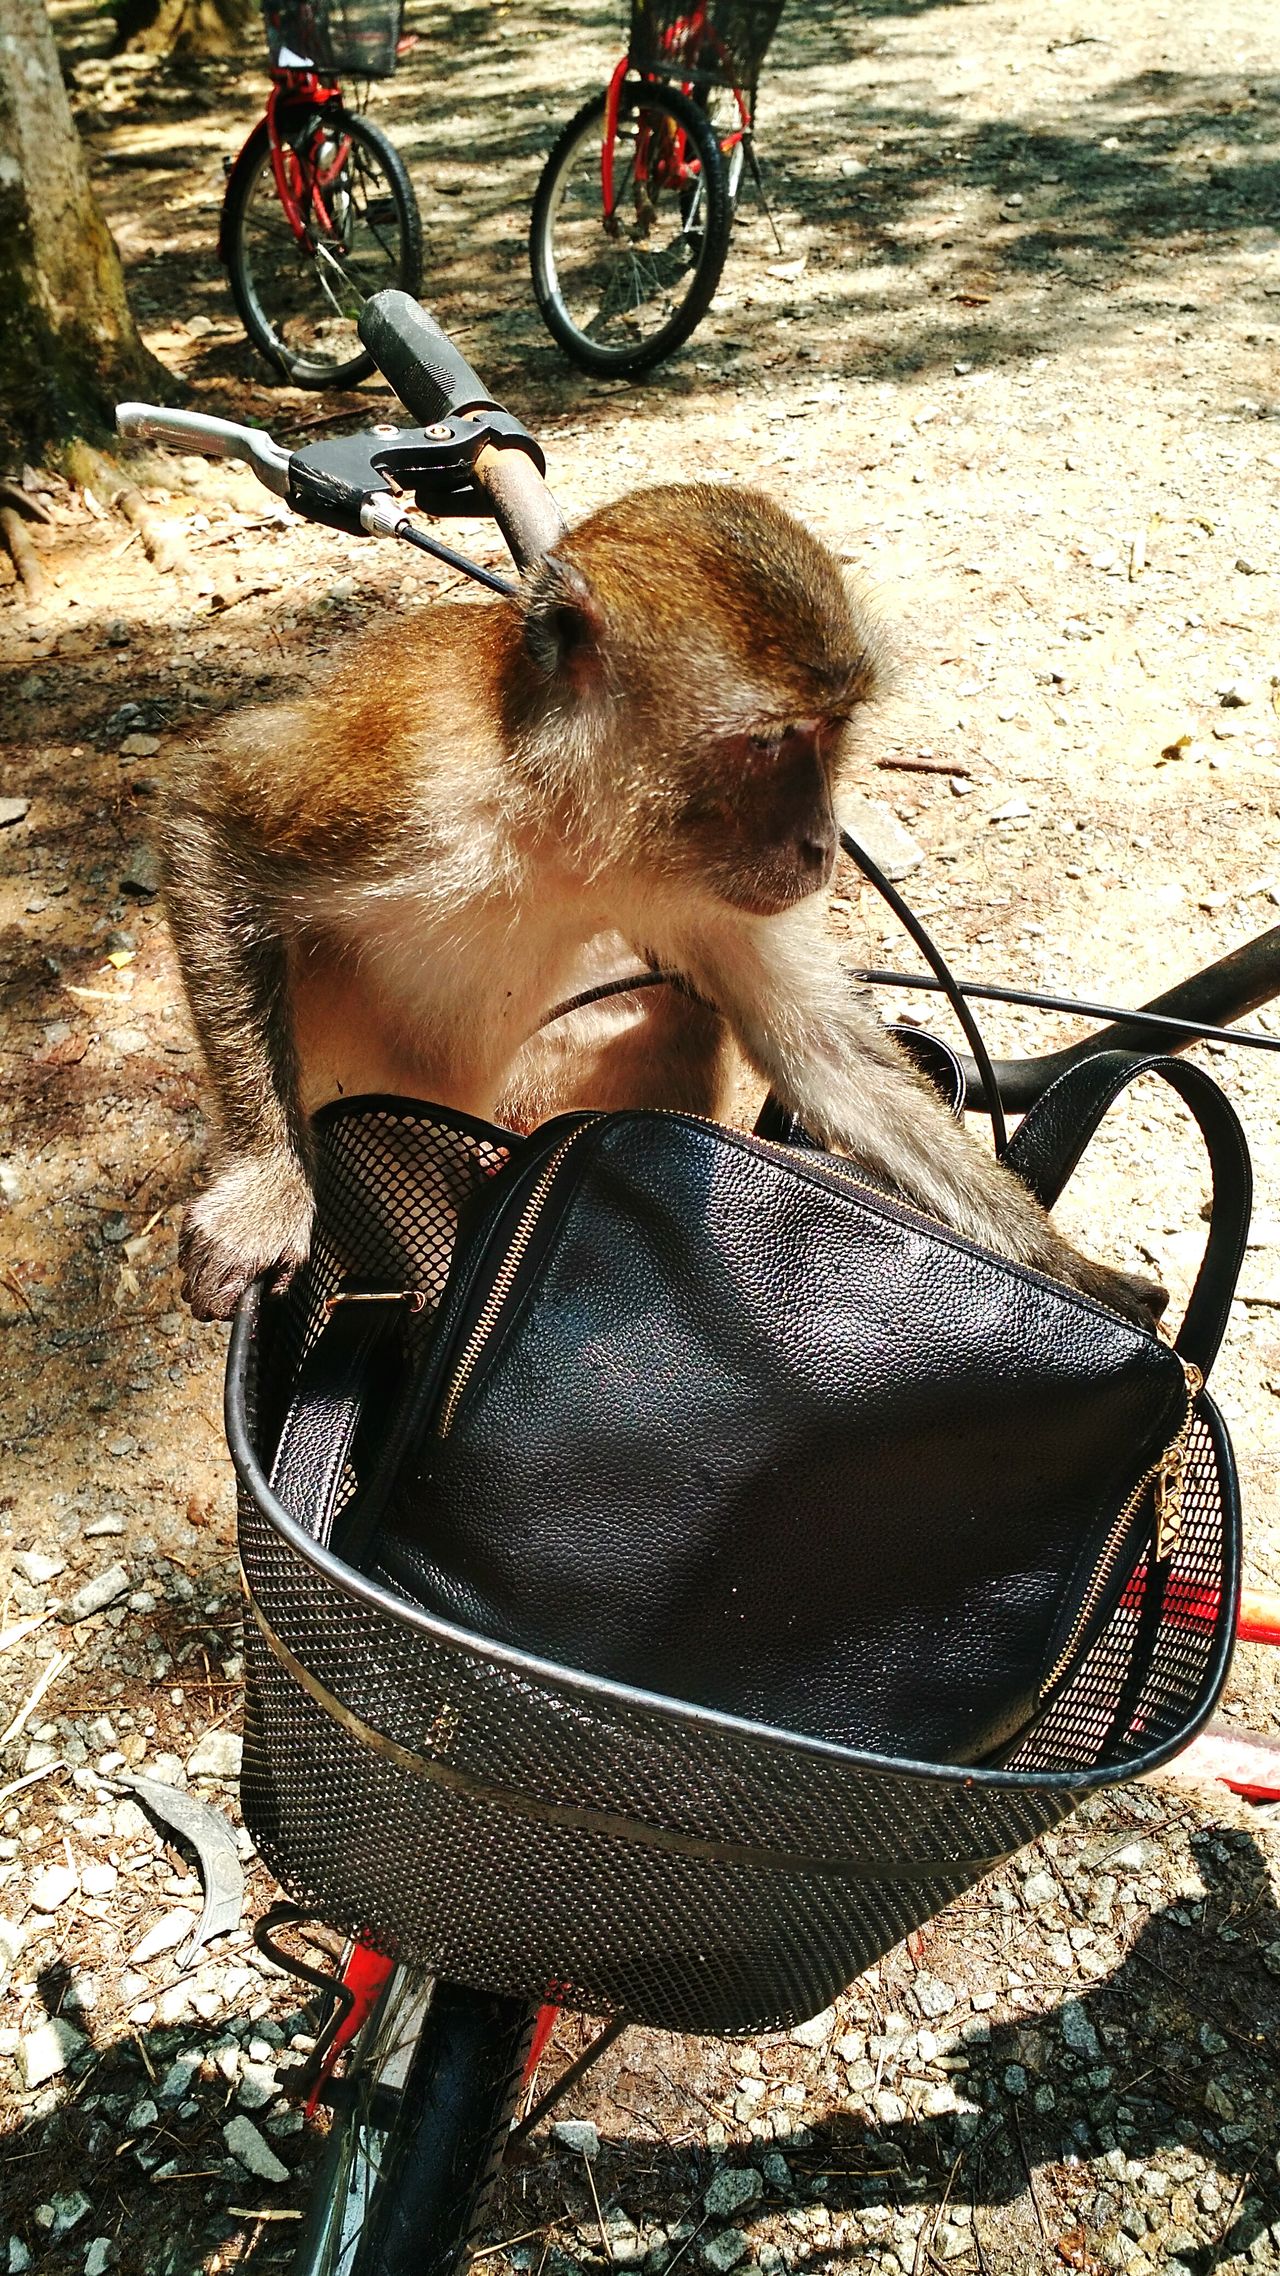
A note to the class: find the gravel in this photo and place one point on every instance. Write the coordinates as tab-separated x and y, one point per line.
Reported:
248	2146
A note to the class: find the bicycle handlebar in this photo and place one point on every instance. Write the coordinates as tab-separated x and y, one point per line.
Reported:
212	438
429	374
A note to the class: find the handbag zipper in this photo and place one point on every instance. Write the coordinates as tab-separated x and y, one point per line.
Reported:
504	1280
824	1172
1168	1476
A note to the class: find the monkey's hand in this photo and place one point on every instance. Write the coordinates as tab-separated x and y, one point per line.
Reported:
256	1217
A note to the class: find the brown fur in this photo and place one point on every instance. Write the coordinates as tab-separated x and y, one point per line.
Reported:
390	885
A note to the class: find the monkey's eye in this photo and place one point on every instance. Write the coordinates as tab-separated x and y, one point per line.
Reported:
767	745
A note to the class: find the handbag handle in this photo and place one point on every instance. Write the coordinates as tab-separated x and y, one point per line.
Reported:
1052	1137
330	1399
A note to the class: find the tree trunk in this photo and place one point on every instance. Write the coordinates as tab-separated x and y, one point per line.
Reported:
68	345
184	27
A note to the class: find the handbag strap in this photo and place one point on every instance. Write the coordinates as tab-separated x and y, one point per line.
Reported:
1052	1137
334	1389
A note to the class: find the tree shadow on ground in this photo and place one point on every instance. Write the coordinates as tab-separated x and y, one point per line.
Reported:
1156	163
1145	2060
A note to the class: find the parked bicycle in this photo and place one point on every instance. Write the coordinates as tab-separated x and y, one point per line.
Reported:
633	211
498	1841
319	211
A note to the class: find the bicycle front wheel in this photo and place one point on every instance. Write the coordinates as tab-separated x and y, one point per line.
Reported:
299	301
422	2117
620	290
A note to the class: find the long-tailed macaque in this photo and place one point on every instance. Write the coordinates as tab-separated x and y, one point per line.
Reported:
389	885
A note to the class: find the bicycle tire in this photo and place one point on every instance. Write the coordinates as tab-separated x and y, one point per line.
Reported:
408	2171
621	274
277	288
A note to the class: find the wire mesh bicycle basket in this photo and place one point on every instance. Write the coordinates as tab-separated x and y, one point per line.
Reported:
705	43
355	38
528	1829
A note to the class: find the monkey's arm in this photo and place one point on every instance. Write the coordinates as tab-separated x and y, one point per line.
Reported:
821	1048
257	1212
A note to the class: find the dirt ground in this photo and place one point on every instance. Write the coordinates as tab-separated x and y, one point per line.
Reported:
1017	360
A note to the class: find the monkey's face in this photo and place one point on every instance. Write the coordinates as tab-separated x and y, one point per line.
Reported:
760	827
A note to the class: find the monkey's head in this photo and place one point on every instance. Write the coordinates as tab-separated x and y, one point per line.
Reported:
693	660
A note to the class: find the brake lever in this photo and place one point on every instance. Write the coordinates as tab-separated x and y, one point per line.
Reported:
333	480
212	438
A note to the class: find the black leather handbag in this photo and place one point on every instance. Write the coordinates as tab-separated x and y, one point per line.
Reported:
716	1419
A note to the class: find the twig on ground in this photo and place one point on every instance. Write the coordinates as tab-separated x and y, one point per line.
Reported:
23	501
22	554
916	763
1031	2179
51	1670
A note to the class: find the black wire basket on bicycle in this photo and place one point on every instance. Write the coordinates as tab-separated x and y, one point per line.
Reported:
355	39
527	1829
720	44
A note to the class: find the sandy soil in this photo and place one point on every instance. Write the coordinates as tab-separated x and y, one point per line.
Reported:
1017	361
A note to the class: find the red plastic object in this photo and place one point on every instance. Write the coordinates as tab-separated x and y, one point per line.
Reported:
1259	1621
542	2031
1243	1760
364	1976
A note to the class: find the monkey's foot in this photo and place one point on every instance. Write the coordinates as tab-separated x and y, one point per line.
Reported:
256	1217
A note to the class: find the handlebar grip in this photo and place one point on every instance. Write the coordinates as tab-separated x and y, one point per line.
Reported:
431	377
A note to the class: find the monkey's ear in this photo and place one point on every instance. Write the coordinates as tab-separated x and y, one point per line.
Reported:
563	622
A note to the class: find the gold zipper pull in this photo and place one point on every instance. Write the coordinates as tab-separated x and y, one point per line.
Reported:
1171	1473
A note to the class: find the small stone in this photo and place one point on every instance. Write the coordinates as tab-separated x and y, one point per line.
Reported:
13	810
52	1887
257	2087
1039	1889
933	1996
577	2134
173	2086
68	2211
45	2052
216	1755
103	1526
248	2147
143	2114
776	2171
139	746
83	1994
1015	2079
12	1938
98	1880
162	1938
725	2251
19	2257
733	2188
143	877
98	1593
98	2258
1078	2031
1013	810
1246	567
818	2029
38	1568
174	2005
877	828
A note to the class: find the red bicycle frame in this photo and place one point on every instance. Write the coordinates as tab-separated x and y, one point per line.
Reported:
300	183
678	40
